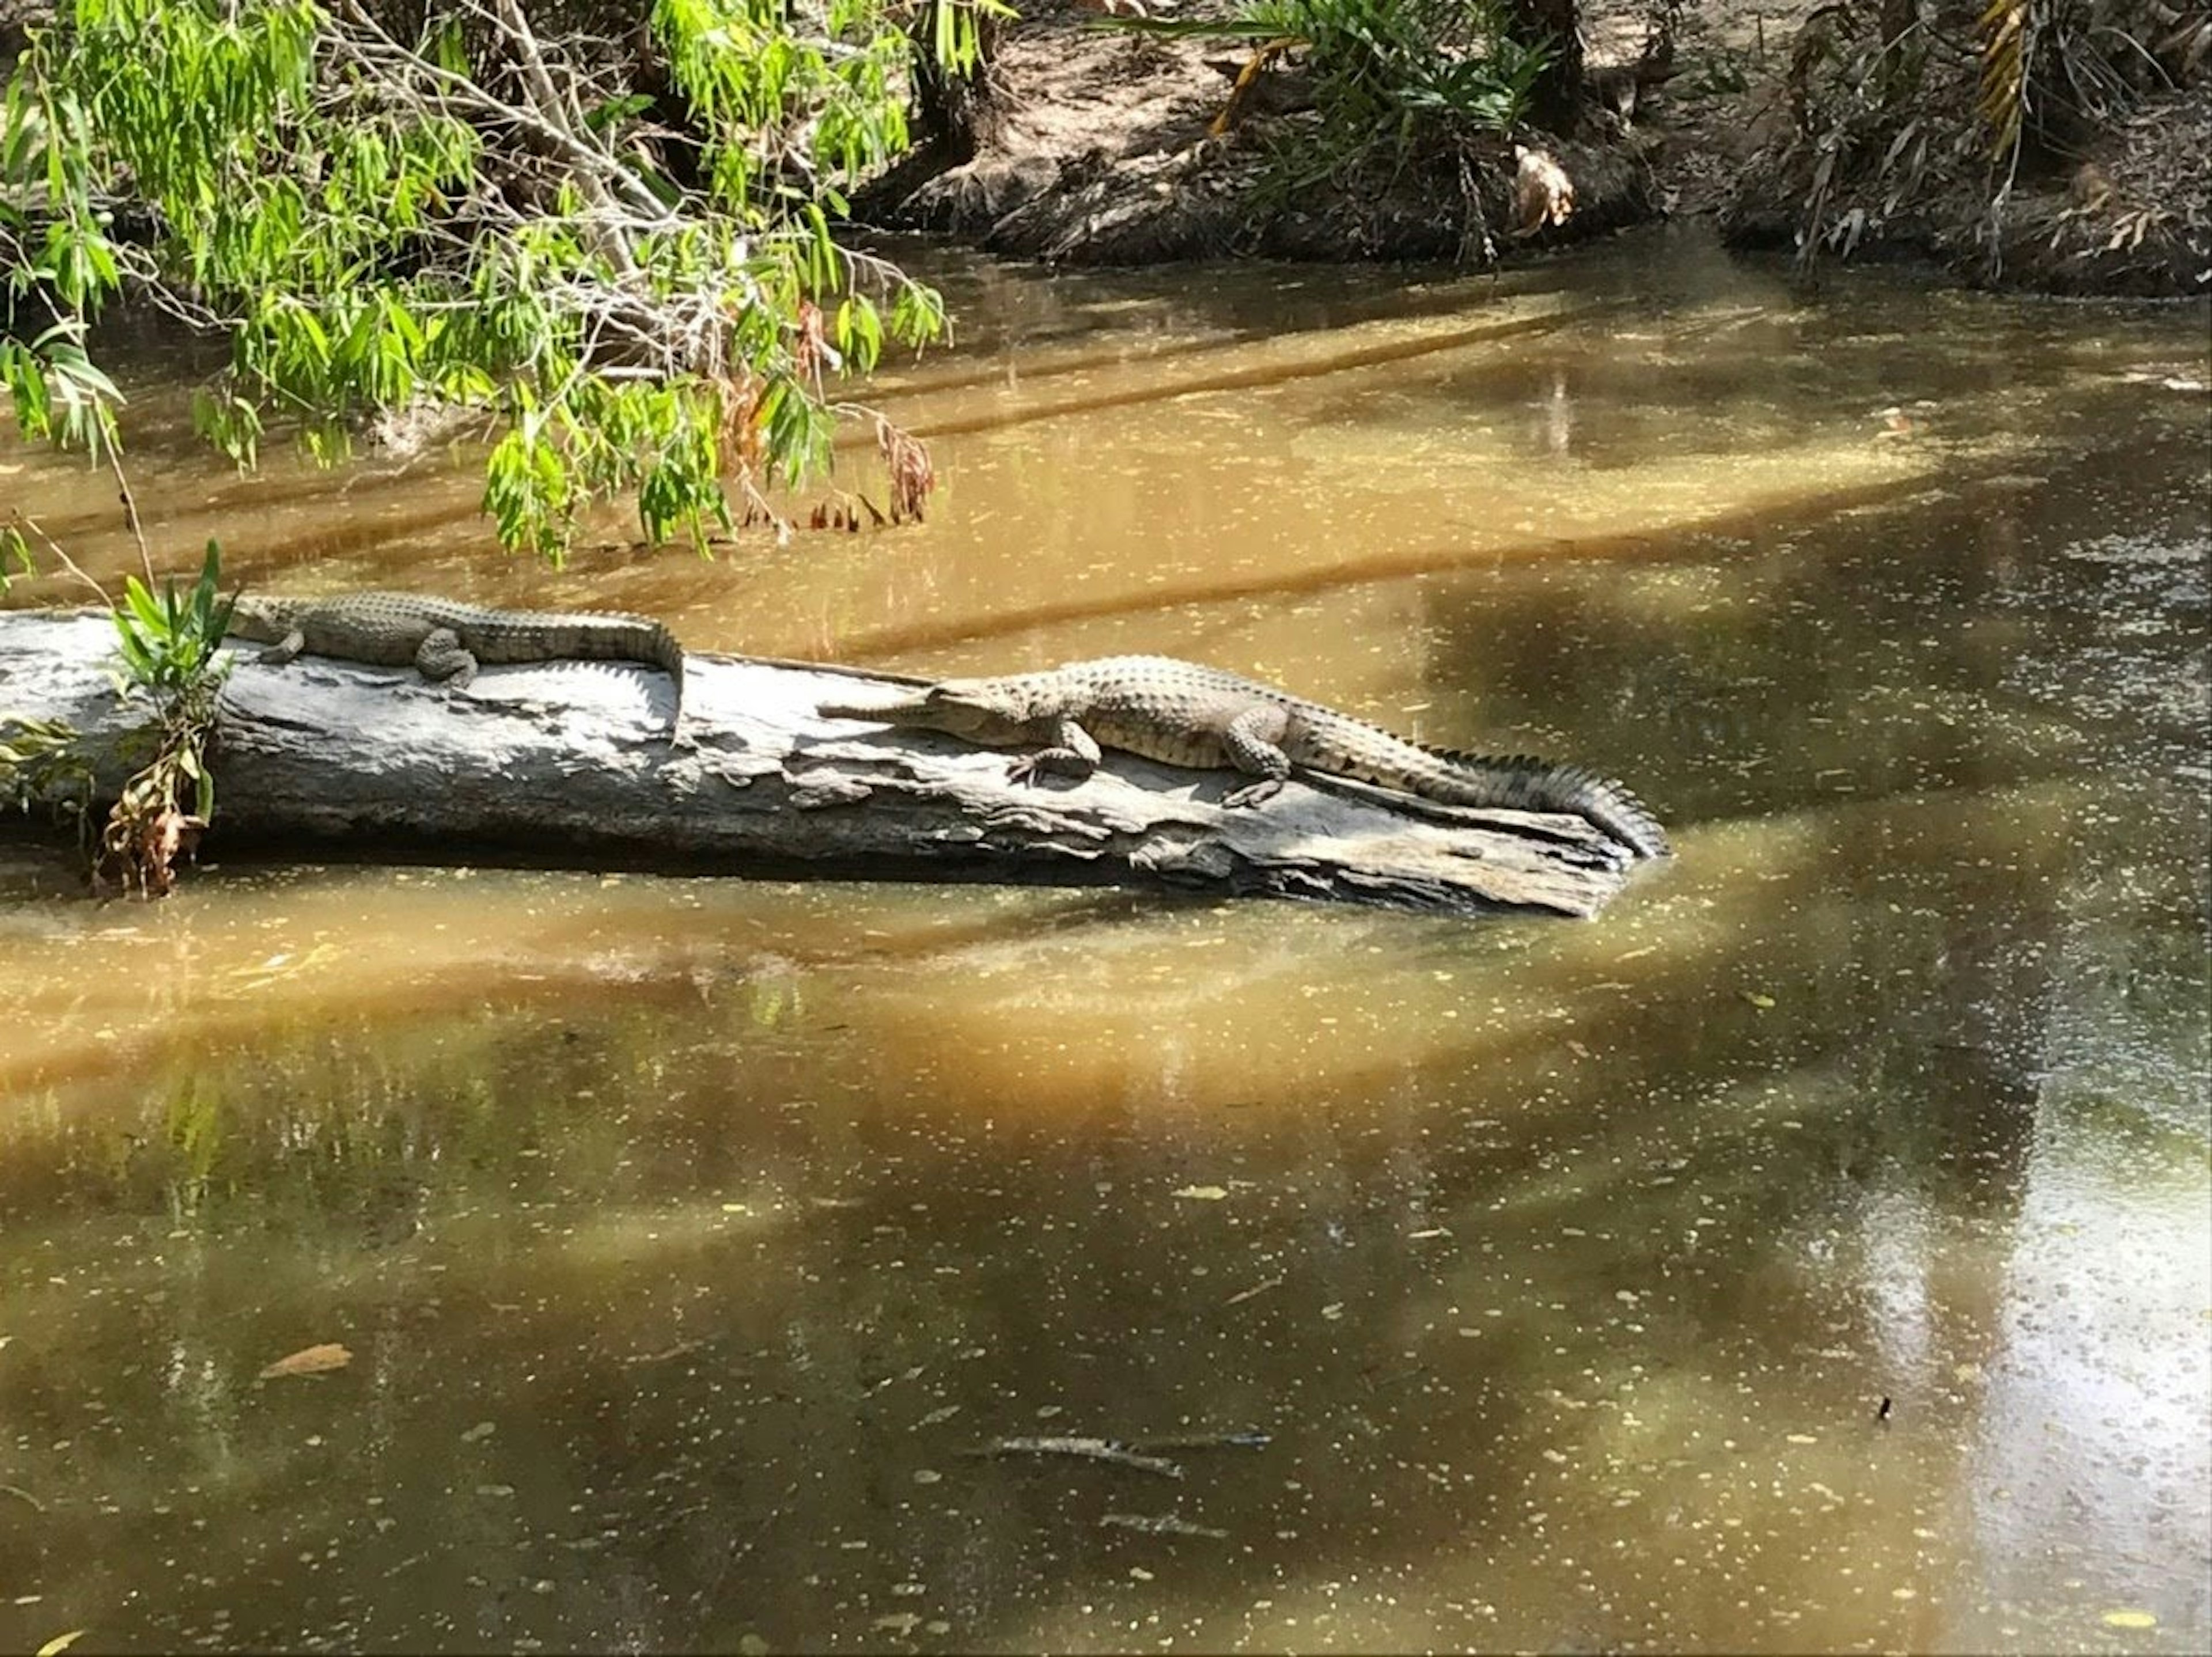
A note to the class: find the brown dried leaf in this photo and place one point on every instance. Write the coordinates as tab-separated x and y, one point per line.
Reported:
912	476
309	1361
1543	194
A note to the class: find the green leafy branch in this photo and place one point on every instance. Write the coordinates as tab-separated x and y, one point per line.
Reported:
636	296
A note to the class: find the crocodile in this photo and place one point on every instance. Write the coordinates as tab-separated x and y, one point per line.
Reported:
445	640
1184	713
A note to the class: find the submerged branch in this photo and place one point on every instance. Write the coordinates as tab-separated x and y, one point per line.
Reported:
1086	1449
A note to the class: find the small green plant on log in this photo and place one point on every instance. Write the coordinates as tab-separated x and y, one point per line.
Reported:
630	294
170	648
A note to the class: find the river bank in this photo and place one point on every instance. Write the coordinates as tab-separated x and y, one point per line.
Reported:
1095	148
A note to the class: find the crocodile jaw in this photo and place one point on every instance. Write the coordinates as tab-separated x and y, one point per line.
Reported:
971	710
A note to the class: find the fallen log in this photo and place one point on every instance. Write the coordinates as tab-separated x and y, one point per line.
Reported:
571	762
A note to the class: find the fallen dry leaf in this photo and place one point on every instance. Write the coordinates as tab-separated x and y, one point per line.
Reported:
60	1643
1543	194
309	1361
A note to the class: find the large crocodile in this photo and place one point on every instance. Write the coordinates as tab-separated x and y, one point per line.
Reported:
1183	713
446	641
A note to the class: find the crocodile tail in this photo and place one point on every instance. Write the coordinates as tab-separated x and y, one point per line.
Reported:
1523	782
668	657
636	639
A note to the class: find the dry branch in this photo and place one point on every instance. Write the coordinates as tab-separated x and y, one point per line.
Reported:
572	760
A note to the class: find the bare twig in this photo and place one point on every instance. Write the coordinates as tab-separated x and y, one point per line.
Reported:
1088	1449
130	507
1160	1524
67	562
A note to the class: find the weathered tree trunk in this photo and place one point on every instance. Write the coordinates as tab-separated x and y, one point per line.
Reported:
573	759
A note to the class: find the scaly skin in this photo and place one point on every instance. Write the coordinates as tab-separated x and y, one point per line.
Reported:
447	641
1183	713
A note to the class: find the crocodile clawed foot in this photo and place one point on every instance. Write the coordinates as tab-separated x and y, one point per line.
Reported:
1266	789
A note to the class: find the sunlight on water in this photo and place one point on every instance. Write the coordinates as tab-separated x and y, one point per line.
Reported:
691	1241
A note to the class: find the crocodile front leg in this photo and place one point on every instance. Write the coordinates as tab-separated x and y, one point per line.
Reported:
440	657
1073	753
284	649
1253	741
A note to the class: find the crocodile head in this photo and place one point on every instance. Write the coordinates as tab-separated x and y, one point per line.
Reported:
260	618
983	711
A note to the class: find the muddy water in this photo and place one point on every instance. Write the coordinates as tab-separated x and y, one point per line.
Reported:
690	1238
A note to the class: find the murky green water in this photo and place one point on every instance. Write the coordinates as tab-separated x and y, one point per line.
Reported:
688	1237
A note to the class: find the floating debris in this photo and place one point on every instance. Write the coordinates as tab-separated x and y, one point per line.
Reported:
1237	1438
309	1361
1129	1453
1260	1288
1160	1524
1088	1449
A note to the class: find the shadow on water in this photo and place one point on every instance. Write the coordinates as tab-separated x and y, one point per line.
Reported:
1905	641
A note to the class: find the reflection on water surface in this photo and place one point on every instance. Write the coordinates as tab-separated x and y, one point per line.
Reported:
688	1237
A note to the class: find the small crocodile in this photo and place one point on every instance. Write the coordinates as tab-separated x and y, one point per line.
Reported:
1183	713
447	641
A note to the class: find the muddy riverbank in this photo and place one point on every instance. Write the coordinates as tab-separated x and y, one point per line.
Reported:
1095	149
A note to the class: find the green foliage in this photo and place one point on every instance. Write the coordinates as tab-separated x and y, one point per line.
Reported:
43	760
1893	132
15	556
489	221
1388	68
2007	29
1395	71
57	392
169	644
168	648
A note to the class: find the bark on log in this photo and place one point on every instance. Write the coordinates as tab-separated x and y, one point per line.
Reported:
573	759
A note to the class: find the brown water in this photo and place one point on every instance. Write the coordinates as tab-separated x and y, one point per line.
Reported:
689	1235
